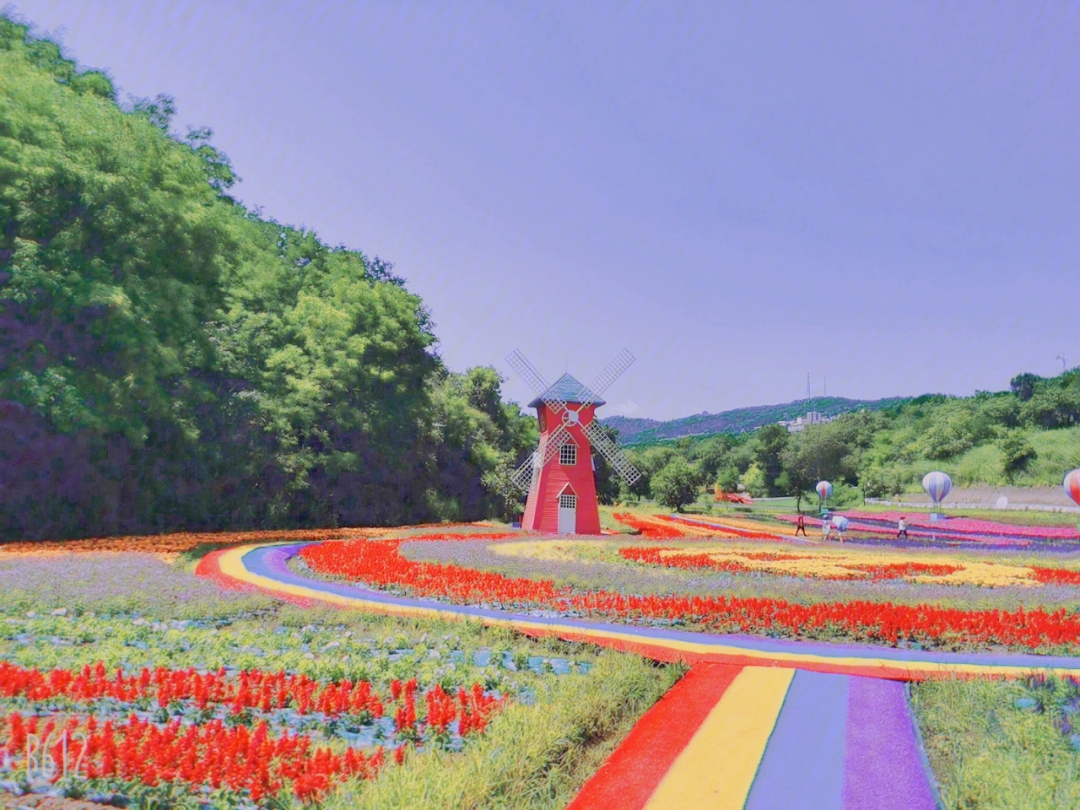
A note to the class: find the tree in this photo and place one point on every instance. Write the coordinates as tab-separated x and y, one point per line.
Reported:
1023	385
675	485
881	482
1016	452
728	478
769	442
817	453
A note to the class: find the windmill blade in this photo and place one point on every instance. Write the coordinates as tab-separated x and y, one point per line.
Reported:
554	442
611	372
523	475
611	453
534	379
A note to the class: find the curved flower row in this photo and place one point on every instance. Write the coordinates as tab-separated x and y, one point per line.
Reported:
671	527
378	563
179	542
871	571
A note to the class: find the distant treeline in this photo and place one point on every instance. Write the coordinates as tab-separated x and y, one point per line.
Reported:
170	360
1028	435
635	431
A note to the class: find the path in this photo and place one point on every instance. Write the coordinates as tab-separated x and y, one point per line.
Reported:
757	723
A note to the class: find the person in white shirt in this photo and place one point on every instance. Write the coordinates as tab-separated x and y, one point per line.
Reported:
901	528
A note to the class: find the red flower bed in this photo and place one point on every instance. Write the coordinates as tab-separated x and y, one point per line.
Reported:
1056	576
906	569
725	528
212	754
378	563
234	758
649	528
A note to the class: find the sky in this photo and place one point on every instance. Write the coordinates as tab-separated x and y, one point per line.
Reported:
884	195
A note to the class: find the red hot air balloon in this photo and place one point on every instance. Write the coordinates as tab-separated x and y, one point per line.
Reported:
1072	485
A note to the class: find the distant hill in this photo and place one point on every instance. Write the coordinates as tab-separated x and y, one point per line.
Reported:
739	420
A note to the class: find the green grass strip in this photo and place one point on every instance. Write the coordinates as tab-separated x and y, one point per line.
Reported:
534	756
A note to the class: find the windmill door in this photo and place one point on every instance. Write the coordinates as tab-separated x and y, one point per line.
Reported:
568	514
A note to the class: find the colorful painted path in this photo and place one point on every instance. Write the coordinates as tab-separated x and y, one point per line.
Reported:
757	723
765	738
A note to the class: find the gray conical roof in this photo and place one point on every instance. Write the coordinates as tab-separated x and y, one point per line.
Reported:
567	389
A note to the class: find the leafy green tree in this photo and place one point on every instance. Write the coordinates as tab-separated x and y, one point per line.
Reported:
755	481
768	443
1016	453
170	360
675	485
1023	385
728	478
882	482
1054	403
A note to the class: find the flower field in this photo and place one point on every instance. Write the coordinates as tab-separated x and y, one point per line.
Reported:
243	702
954	531
835	564
195	729
666	527
149	684
378	563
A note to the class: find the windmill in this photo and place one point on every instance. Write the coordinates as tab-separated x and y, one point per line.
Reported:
562	496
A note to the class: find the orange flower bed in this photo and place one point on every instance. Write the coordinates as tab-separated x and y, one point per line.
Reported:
180	542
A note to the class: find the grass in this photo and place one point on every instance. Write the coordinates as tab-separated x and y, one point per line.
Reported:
531	756
987	752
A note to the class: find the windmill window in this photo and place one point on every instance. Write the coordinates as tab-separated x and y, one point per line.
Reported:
568	501
568	454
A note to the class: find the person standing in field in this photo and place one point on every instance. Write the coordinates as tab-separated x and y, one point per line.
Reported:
901	528
826	527
800	525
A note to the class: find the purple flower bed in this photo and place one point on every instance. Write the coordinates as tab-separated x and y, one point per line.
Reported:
115	583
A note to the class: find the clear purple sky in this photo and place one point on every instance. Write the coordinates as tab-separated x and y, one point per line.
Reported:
887	193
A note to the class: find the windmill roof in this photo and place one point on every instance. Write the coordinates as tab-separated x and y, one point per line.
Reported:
567	389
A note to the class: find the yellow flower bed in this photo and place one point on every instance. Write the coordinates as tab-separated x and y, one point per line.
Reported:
838	563
550	550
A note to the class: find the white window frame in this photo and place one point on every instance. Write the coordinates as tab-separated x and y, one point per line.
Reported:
568	451
568	501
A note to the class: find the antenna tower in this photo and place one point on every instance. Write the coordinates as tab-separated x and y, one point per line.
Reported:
808	385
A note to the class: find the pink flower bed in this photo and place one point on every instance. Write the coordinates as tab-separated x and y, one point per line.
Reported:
970	525
936	530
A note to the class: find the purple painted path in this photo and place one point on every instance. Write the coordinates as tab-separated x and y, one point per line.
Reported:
883	764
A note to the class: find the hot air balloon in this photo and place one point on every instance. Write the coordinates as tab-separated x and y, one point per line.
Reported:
937	486
823	489
1072	485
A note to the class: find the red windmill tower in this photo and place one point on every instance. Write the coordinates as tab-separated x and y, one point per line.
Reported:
559	474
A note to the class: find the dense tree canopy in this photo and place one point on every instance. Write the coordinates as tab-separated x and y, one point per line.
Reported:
170	360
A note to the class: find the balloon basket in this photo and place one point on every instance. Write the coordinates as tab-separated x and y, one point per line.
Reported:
937	516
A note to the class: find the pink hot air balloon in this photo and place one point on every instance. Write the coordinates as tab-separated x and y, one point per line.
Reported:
1072	485
823	489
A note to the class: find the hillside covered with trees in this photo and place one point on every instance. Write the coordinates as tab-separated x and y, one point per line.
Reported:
1026	436
637	431
170	360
